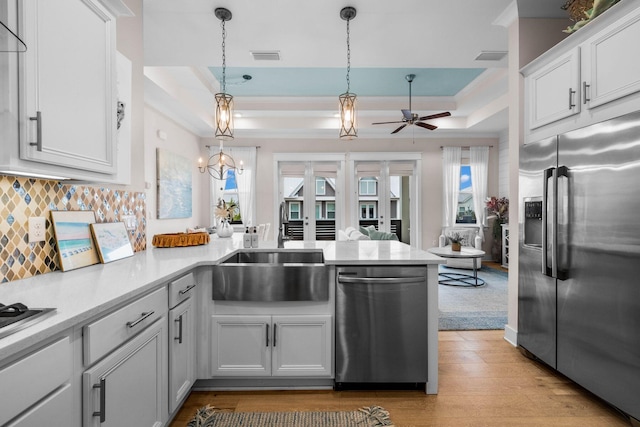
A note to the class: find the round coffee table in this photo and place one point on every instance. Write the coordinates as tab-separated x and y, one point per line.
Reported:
460	279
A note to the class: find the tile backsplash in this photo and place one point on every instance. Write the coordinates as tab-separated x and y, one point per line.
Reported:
22	198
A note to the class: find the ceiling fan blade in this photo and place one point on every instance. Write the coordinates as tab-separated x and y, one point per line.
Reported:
426	125
407	114
385	123
399	129
435	116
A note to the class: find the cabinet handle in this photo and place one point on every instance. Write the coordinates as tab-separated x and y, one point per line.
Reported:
102	413
275	328
179	337
267	335
571	93
187	289
38	120
142	317
585	86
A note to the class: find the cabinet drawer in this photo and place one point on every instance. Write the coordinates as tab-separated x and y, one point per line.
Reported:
33	377
102	336
55	410
181	289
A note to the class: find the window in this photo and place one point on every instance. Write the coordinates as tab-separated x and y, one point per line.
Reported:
368	186
294	210
321	187
465	215
331	210
318	210
230	194
368	211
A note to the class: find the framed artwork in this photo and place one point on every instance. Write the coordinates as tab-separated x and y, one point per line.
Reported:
112	241
73	238
174	185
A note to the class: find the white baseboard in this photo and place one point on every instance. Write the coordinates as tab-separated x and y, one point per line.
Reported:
511	335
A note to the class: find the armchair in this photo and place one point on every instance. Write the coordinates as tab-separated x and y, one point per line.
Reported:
472	238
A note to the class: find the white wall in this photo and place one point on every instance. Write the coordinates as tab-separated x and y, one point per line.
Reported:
431	208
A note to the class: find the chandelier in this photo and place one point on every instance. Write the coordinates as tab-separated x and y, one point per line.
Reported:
348	100
220	164
224	101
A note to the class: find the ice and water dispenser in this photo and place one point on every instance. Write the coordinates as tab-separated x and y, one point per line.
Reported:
532	233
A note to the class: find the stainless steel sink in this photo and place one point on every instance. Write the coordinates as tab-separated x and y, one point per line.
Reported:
277	275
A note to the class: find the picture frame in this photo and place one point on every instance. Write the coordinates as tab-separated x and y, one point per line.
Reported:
112	241
73	237
174	178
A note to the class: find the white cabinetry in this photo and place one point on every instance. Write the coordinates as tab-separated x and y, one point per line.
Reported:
38	388
589	77
298	346
128	384
67	86
182	340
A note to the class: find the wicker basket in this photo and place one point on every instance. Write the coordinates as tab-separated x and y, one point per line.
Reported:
577	9
179	240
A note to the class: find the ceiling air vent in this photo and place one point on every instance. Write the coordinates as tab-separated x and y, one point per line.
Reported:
491	55
266	55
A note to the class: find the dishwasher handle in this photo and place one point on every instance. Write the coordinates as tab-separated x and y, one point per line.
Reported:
381	280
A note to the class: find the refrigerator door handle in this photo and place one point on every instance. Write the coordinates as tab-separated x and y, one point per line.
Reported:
554	227
548	173
560	272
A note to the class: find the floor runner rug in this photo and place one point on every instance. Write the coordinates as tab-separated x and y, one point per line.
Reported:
373	416
469	308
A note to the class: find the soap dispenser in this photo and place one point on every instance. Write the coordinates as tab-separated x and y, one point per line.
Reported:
254	237
246	238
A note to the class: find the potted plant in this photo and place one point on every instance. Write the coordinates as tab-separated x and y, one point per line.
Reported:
224	213
456	241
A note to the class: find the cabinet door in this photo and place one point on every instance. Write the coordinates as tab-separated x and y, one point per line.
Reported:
554	91
128	388
182	352
241	346
302	346
52	411
69	84
610	69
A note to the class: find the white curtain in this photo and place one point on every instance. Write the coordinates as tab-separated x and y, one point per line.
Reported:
479	162
450	184
246	183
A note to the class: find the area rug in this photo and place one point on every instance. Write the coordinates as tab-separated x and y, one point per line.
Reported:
469	308
373	416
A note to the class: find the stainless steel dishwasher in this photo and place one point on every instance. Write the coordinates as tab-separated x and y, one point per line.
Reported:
381	326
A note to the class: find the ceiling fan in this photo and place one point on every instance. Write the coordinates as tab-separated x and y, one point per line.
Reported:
412	118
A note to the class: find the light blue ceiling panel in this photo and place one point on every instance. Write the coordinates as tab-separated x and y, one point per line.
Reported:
332	81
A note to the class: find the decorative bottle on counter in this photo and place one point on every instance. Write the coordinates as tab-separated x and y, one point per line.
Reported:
254	237
246	238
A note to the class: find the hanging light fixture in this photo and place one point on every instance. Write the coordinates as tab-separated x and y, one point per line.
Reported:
220	164
348	100
224	101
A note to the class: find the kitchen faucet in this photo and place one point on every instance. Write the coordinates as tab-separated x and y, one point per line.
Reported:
284	219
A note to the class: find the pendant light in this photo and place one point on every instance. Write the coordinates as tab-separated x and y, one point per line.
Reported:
348	100
224	101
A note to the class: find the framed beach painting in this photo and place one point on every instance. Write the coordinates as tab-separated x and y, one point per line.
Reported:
174	185
112	241
73	238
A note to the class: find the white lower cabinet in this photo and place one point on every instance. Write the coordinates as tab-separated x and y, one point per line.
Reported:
38	388
182	352
128	387
299	345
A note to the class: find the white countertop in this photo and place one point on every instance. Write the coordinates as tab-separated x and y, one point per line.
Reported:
81	294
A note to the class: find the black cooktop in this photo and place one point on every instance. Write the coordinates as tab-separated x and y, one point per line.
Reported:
18	316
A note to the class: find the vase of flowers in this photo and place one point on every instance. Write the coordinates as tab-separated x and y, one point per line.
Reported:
224	213
456	241
498	209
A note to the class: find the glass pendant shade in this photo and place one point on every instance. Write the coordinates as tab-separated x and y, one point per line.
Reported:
348	116
224	116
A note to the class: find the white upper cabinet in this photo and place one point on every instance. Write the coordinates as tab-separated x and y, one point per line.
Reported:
69	85
591	76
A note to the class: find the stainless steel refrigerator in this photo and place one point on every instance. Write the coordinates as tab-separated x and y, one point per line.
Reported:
579	259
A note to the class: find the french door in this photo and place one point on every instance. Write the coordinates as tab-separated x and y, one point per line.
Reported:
312	188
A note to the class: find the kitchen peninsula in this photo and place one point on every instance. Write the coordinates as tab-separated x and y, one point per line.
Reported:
89	300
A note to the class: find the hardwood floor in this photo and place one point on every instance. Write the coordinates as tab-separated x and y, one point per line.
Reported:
484	382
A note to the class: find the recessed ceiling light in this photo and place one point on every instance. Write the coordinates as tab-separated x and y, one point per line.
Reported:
491	55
